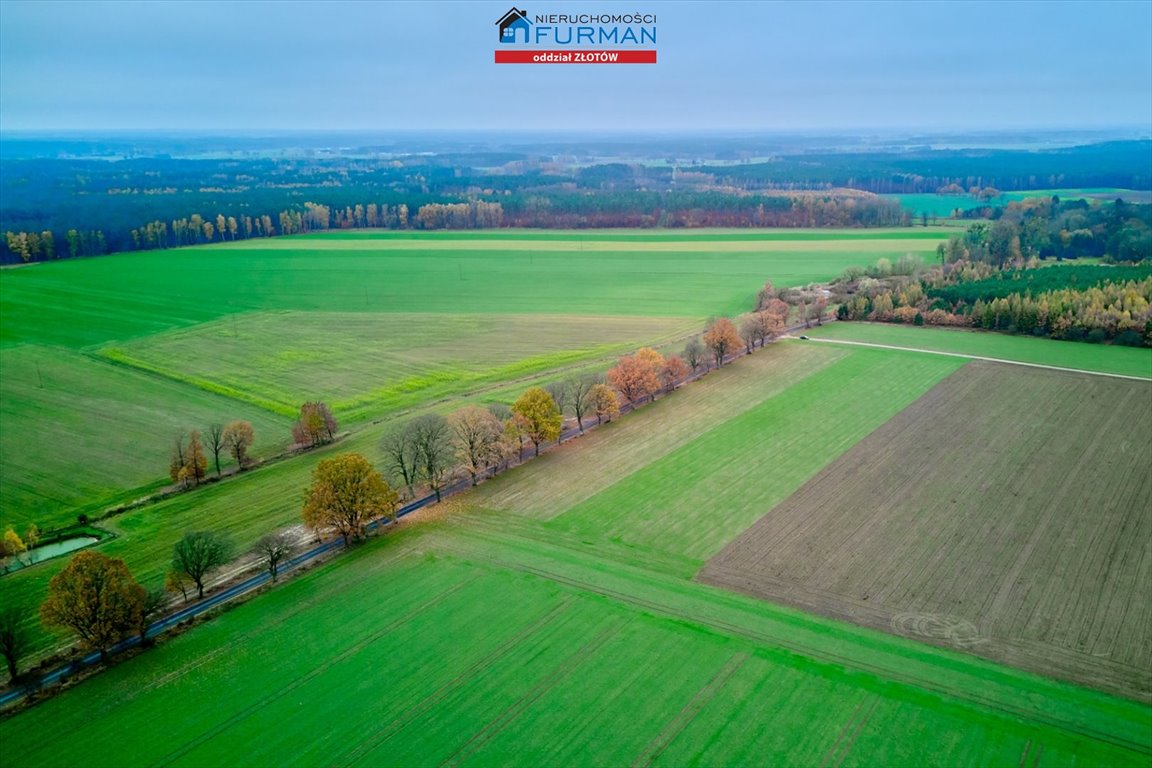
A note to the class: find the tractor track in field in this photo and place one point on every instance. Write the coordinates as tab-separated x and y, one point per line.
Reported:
775	641
446	689
319	670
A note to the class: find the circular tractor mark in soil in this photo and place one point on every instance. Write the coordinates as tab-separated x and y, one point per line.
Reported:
936	626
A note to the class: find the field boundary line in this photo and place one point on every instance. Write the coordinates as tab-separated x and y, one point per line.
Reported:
978	357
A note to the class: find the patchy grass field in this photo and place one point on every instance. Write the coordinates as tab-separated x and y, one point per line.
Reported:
373	364
76	431
448	648
1127	361
372	322
1008	512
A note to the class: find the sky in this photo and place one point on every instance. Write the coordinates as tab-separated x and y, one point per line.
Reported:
249	65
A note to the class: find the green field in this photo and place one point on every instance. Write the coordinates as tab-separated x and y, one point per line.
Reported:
944	205
657	494
106	360
1126	361
445	645
381	362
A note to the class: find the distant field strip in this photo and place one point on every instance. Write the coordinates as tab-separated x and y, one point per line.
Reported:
683	477
566	671
1008	512
1125	361
89	302
694	500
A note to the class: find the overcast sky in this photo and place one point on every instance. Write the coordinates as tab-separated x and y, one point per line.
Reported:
247	65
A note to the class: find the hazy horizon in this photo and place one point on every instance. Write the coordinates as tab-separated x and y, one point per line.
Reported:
724	68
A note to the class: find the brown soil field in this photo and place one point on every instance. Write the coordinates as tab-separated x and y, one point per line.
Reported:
1006	513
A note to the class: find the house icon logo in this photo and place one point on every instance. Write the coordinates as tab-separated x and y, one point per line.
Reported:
511	23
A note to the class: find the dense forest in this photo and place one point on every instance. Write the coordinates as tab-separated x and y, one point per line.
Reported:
994	277
1050	228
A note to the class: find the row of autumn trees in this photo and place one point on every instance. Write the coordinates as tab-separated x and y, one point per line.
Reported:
433	451
98	599
312	217
188	463
547	209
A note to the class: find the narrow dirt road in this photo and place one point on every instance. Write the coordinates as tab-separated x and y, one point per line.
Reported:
977	357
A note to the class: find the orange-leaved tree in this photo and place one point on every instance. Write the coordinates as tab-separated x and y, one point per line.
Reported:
605	404
540	416
675	371
97	598
238	438
315	426
637	376
345	494
721	338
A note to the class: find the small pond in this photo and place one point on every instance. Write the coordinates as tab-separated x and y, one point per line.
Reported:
48	551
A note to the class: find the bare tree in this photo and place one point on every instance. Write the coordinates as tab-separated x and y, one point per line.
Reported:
154	602
477	436
580	389
432	440
694	353
400	455
216	443
273	549
562	396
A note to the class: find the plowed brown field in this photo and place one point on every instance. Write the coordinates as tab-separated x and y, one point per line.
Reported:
1008	512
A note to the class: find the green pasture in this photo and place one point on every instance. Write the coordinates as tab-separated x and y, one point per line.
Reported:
437	647
243	508
106	359
1128	361
695	499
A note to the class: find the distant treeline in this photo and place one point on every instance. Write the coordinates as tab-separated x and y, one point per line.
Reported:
627	209
1121	164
